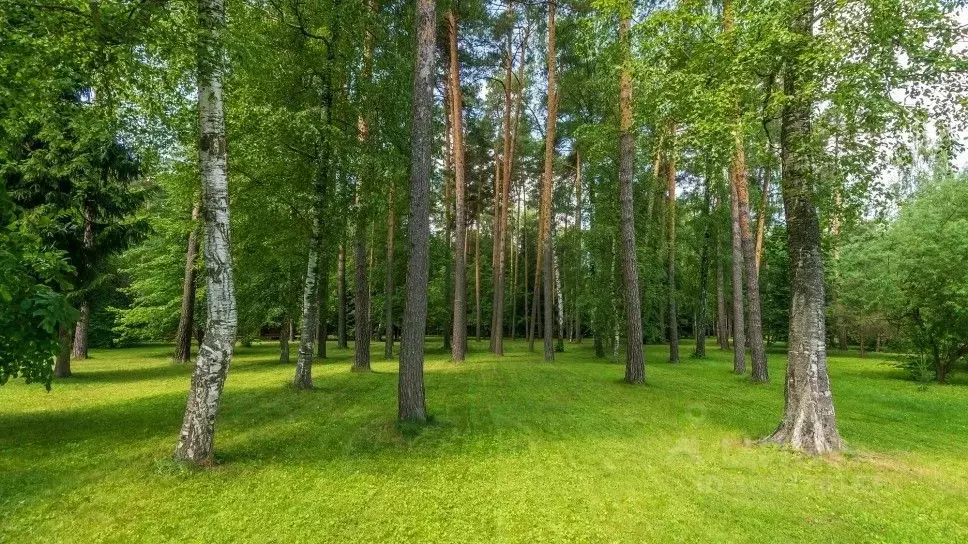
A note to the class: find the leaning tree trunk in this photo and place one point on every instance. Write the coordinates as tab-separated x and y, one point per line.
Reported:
83	325
739	320
809	423
198	428
671	276
459	335
411	400
635	358
546	188
186	321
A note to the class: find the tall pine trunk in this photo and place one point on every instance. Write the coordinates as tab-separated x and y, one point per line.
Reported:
341	298
388	280
634	358
197	435
809	423
363	330
459	336
546	188
722	337
671	231
411	401
186	320
701	311
739	319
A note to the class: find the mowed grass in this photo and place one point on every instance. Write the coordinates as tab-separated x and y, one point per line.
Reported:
518	451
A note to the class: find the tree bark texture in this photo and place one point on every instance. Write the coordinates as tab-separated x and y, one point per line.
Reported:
635	358
739	319
186	319
459	335
411	401
809	423
546	188
198	427
671	232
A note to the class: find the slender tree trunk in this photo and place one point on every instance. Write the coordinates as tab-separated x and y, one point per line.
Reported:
198	428
546	187
739	319
341	298
578	252
762	217
62	363
363	330
635	358
412	403
515	267
754	321
701	312
722	336
186	320
448	221
322	329
560	300
284	330
459	341
83	325
388	281
809	423
671	228
477	280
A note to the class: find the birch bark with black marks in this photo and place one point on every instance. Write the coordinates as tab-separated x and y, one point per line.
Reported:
809	423
634	358
411	396
186	319
195	442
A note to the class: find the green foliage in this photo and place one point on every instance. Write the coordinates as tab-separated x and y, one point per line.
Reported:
35	275
911	270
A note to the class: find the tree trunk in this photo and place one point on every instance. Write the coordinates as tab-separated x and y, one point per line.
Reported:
186	320
388	281
671	228
739	320
546	187
83	325
62	363
809	423
515	267
448	221
341	299
477	280
322	328
762	216
754	322
363	330
412	404
701	312
635	358
576	296
459	336
284	331
198	428
722	335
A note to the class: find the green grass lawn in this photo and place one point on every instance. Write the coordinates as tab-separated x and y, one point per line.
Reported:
518	451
